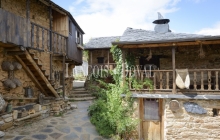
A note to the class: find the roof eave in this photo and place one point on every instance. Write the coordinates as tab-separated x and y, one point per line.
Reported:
167	41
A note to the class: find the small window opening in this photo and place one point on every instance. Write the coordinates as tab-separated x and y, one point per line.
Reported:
151	109
78	37
216	112
100	60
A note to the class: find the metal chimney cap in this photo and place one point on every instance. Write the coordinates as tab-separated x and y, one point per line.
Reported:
161	21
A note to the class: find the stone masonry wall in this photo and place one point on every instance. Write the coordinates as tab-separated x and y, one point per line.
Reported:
17	7
182	125
20	74
99	53
39	12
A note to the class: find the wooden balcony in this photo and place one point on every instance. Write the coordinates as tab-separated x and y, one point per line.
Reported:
41	38
202	81
19	31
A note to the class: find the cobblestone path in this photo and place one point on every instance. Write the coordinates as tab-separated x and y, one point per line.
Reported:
73	125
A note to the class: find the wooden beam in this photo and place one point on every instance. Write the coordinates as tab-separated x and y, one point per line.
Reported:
170	44
141	116
175	96
123	66
30	74
51	50
63	77
162	111
108	58
27	18
90	57
174	69
60	58
30	59
15	53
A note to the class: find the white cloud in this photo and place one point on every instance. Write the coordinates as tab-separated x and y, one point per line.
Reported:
111	17
215	30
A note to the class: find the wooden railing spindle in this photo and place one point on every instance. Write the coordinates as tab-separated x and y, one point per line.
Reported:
167	77
202	80
209	80
155	80
216	82
195	81
161	80
37	37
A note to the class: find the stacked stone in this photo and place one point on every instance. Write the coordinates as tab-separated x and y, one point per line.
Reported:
6	121
57	108
183	125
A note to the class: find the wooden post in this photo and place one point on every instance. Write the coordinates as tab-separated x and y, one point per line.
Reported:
174	69
108	59
27	19
141	116
51	55
91	57
63	77
123	67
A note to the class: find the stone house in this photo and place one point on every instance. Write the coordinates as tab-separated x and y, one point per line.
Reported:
99	55
184	70
184	102
40	44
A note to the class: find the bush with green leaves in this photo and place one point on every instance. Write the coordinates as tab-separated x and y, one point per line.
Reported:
111	113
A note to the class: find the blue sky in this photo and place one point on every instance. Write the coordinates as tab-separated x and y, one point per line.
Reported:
111	17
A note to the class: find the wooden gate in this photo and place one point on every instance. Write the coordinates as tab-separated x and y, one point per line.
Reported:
151	116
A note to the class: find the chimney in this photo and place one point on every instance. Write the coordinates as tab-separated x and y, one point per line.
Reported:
162	25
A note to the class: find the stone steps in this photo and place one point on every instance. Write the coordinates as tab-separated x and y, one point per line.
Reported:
82	98
80	95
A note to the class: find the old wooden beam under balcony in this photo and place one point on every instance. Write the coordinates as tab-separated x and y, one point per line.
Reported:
176	96
15	53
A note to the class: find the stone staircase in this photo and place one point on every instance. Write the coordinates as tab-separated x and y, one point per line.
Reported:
35	70
80	94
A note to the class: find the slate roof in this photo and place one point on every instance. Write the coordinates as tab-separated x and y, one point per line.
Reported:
101	42
136	35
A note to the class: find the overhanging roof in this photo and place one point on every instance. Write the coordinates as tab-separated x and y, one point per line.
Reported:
137	38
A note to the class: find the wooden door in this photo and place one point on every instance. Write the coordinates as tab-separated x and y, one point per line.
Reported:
151	119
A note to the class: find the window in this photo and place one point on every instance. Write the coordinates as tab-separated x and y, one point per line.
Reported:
151	109
216	112
70	27
100	60
78	37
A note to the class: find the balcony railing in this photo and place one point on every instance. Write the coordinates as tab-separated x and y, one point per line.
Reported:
201	80
40	40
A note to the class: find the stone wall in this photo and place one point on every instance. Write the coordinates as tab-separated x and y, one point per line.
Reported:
182	125
99	53
17	7
20	74
39	12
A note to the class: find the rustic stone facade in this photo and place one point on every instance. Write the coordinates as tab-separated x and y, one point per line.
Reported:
183	125
94	54
21	75
39	13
